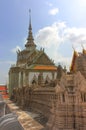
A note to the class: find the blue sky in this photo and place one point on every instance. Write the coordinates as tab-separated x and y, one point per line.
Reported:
57	26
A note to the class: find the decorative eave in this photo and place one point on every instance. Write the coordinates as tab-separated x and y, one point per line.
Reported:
44	67
39	67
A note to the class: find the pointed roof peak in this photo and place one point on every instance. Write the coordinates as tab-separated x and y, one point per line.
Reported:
84	50
29	11
30	27
75	52
30	39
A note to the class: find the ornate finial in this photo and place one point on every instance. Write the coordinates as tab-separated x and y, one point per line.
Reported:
30	14
75	52
29	10
30	28
84	51
30	40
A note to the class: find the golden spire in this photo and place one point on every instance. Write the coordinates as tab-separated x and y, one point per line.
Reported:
75	54
84	51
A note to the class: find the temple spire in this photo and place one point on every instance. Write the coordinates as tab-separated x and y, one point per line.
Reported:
30	27
75	55
30	40
84	51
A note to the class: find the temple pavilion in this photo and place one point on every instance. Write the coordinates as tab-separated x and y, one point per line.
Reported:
32	65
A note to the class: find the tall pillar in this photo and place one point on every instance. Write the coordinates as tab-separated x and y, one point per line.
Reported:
24	82
21	78
53	75
13	78
10	83
26	78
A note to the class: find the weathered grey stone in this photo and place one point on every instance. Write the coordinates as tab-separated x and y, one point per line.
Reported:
10	122
1	98
7	109
2	108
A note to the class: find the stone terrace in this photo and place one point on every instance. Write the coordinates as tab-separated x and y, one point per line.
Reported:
25	119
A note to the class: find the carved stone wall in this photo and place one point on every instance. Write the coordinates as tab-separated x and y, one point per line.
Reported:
69	107
42	100
38	98
13	78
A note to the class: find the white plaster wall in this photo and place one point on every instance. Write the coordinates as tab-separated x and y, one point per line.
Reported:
31	75
19	79
49	74
24	79
55	75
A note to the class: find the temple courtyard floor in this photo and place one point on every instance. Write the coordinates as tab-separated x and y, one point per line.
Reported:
28	120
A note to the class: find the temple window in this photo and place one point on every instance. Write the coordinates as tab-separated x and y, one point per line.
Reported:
46	82
83	97
33	82
55	96
63	97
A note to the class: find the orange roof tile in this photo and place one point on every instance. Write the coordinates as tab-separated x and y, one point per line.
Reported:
3	88
5	96
41	67
3	91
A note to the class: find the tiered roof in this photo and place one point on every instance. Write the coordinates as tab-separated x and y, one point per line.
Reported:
33	58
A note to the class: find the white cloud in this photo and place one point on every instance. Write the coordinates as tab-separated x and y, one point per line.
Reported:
53	11
59	34
14	50
81	3
50	35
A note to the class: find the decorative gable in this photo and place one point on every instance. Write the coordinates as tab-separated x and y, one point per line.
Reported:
43	59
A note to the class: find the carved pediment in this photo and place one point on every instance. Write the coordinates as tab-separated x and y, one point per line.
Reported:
59	89
44	59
